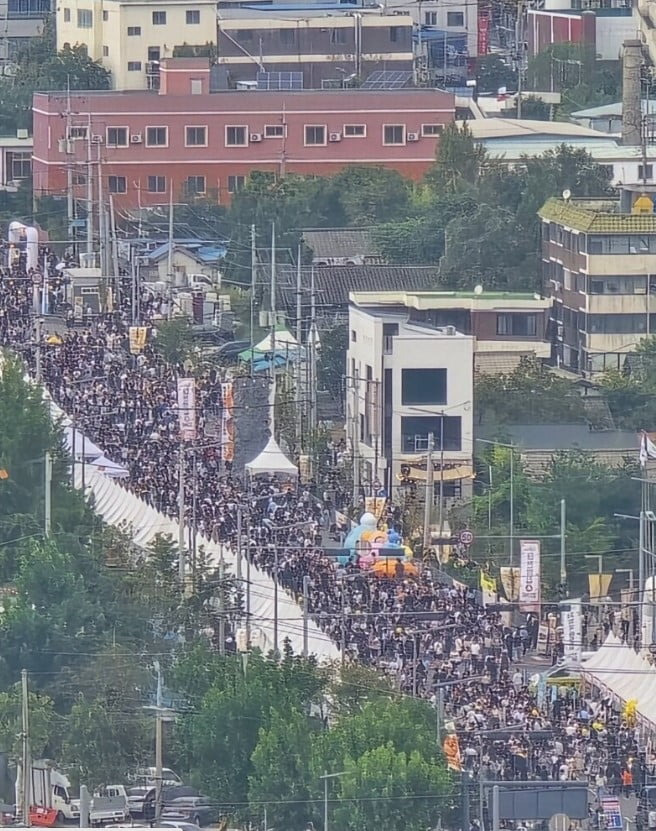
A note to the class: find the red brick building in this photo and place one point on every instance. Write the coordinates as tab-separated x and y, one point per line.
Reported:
206	144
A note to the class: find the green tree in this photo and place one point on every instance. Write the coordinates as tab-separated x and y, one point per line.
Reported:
459	160
370	195
332	359
174	340
492	72
42	718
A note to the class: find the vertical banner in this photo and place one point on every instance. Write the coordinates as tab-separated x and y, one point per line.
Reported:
187	408
510	582
529	576
227	422
483	32
488	589
572	623
138	337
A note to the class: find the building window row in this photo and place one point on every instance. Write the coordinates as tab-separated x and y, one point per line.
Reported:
238	135
192	185
601	243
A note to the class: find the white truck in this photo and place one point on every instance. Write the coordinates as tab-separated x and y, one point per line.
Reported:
49	789
109	805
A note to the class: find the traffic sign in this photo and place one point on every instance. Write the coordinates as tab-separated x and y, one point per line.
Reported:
466	537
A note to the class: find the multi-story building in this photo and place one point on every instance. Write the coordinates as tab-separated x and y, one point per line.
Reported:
328	43
505	326
599	267
187	142
21	19
130	37
15	160
409	384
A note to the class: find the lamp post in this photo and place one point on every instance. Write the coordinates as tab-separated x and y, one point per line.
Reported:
326	776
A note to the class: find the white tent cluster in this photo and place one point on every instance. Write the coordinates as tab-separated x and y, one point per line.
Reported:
626	675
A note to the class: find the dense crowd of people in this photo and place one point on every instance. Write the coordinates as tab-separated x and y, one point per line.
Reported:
434	639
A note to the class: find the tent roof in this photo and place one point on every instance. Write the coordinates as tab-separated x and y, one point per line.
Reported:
271	460
109	468
283	338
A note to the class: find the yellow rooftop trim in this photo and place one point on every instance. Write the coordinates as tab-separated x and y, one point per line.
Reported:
585	216
449	300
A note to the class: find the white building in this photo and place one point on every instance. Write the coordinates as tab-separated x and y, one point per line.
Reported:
405	382
130	37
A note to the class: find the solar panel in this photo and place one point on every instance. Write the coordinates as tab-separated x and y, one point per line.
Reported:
388	79
279	80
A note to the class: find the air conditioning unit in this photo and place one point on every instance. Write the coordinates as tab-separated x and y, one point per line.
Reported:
412	137
96	139
335	137
136	138
255	137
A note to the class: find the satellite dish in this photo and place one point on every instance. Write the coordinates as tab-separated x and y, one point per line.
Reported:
478	289
567	193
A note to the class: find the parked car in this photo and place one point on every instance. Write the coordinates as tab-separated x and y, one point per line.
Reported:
199	810
141	802
146	776
180	824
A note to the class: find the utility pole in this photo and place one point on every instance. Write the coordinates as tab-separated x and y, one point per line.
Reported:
299	335
169	260
441	510
238	561
222	630
253	287
70	207
519	48
273	302
158	745
563	532
511	537
275	602
47	512
26	796
89	226
313	355
306	613
114	250
181	518
38	337
355	437
428	498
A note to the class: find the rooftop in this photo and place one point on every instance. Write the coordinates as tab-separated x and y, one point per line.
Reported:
339	242
596	216
601	147
450	299
335	283
615	109
487	128
562	437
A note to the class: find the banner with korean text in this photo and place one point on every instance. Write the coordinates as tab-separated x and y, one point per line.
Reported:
571	620
187	408
529	576
227	421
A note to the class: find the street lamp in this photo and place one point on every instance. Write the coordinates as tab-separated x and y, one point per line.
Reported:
326	776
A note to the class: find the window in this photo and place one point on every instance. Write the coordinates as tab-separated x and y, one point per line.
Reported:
390	331
416	429
134	31
117	184
355	130
423	386
315	134
21	165
134	66
84	19
79	179
28	8
287	37
195	136
394	134
195	185
431	129
244	34
105	51
236	183
77	132
645	171
517	325
354	336
157	136
117	137
156	184
105	16
236	136
618	285
196	86
629	324
394	32
455	19
338	35
153	51
67	15
159	18
192	16
430	18
274	131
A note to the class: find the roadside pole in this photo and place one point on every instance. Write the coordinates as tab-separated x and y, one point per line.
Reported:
26	762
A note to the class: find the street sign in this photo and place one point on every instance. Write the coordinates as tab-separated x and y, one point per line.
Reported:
610	806
466	537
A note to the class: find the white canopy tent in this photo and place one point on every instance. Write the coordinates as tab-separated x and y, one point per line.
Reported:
84	447
104	465
271	460
118	506
620	671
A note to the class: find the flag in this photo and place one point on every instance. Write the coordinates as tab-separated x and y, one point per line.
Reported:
647	449
451	748
187	408
529	576
488	589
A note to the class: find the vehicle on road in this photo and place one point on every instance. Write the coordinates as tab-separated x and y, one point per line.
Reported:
200	810
50	796
147	776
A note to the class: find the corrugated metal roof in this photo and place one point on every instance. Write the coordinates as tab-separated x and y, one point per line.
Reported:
339	242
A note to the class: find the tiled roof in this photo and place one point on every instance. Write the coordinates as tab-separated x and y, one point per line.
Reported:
339	242
333	283
584	218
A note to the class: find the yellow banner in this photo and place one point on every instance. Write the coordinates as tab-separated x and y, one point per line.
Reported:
451	748
138	338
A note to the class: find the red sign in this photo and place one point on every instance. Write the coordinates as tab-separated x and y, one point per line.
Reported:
483	32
